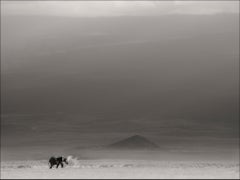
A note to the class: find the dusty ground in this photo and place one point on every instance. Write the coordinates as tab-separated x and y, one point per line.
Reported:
106	168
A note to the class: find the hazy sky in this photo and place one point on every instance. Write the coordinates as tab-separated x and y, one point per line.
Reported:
117	8
169	68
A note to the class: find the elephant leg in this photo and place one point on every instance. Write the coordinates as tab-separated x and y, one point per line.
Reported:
50	165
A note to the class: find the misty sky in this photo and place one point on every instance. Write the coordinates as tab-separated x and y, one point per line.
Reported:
170	68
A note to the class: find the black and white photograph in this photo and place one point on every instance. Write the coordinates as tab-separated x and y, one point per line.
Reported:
120	89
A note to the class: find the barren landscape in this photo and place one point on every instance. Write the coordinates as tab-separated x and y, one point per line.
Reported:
120	168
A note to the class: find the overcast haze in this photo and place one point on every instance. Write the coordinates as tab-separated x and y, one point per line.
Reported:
161	69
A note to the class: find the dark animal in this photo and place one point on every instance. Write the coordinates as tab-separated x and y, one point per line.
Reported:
57	161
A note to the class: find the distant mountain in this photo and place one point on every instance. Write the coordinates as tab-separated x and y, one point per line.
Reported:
134	142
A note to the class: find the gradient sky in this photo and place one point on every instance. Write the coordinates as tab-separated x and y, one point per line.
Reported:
169	68
117	8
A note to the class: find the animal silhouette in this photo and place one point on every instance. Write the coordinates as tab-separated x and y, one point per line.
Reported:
57	161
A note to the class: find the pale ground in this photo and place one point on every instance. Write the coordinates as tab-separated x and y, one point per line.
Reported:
109	168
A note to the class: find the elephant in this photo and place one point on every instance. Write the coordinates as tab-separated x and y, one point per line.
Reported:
57	161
